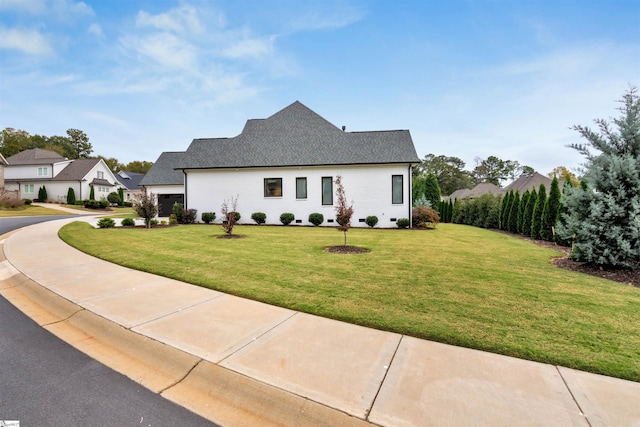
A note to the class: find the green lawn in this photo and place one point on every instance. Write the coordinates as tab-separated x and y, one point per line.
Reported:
29	210
456	284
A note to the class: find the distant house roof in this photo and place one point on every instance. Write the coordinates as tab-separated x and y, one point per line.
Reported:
163	170
35	156
477	191
76	170
529	182
297	136
130	180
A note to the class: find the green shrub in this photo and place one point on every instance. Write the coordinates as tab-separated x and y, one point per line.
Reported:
79	203
287	218
106	223
153	222
127	204
207	217
371	221
27	201
42	194
178	212
114	198
316	218
259	217
403	222
71	196
237	215
127	222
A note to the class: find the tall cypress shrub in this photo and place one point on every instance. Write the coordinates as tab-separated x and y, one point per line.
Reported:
432	191
528	212
92	193
504	210
513	213
536	218
71	196
550	212
523	205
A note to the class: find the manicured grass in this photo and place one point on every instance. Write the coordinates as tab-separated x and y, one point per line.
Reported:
29	210
457	284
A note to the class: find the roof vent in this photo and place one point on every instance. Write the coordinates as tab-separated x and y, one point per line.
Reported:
344	128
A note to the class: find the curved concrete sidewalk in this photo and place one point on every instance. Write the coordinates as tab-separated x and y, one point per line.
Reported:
240	362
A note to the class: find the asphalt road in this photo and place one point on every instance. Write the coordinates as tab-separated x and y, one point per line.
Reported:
46	382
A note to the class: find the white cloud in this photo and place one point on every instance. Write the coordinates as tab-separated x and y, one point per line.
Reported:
34	7
250	48
325	15
96	30
27	41
181	20
165	49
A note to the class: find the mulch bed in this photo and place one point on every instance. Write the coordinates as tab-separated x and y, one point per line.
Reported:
628	277
345	250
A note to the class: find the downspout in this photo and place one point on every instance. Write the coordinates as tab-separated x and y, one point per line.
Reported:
185	189
410	194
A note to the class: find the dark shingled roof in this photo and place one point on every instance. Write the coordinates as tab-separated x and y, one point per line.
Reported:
76	170
530	182
130	180
35	156
297	136
163	170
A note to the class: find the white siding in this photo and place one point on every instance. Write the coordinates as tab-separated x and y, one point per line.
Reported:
368	187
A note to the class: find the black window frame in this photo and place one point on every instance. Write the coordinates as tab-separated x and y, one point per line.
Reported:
394	200
299	196
328	179
269	193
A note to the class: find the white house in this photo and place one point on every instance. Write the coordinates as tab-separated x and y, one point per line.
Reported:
289	162
29	170
130	184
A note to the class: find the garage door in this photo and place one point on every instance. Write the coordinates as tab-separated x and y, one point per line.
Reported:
166	202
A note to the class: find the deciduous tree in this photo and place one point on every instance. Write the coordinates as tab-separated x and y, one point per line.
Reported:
344	211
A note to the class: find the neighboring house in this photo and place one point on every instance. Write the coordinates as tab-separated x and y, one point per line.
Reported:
130	183
289	162
477	191
530	182
3	164
31	169
166	182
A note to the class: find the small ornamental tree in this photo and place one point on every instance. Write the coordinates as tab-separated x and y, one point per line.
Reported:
344	211
536	217
71	196
121	194
603	219
229	217
550	212
146	207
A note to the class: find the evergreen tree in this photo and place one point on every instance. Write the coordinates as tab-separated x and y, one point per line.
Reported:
504	210
432	191
528	212
513	213
550	212
71	196
450	211
604	220
92	193
521	209
536	217
121	194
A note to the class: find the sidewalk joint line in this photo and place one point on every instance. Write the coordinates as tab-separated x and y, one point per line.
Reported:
384	377
573	397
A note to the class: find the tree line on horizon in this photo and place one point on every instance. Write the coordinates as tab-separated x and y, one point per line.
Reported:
74	145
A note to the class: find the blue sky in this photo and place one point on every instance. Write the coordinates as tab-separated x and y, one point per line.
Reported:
468	78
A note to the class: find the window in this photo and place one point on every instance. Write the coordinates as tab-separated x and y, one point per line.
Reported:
28	188
43	171
273	187
301	188
397	189
100	175
327	190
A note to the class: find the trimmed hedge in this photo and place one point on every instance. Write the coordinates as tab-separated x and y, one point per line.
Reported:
316	218
287	218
